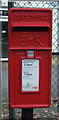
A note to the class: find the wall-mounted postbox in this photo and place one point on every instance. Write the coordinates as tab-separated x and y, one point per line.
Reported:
30	54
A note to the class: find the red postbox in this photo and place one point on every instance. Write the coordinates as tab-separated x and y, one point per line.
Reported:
30	54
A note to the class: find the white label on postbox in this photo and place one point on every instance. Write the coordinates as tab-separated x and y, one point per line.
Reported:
30	75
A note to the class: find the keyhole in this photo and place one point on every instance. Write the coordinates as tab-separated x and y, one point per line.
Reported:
19	78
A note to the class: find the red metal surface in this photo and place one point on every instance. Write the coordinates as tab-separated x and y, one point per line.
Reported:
30	28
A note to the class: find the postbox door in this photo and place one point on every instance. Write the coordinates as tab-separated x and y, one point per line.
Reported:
23	94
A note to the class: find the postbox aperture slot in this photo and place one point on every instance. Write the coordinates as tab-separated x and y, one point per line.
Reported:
31	29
